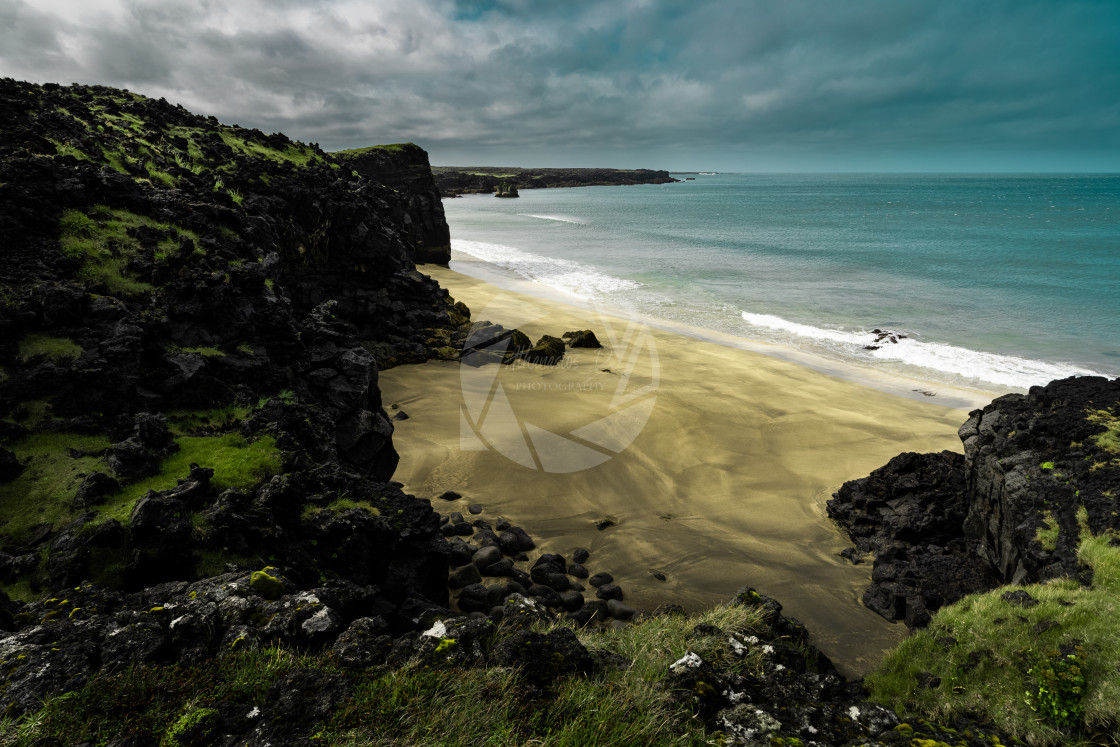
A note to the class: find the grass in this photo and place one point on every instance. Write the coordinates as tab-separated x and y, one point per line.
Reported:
151	699
1003	663
100	240
194	422
56	464
339	504
1047	533
63	149
391	147
1109	438
42	493
57	349
157	175
412	704
236	461
204	350
296	154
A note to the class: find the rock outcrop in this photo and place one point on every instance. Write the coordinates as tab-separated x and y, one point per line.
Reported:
1039	471
405	167
176	289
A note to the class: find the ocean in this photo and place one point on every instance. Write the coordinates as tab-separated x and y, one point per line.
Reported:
993	282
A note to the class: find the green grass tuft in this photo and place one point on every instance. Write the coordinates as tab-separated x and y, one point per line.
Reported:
236	461
191	422
1109	439
56	465
100	240
203	350
52	348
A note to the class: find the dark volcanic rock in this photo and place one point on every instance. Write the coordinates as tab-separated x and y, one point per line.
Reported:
243	308
911	514
405	167
584	338
1037	456
942	525
548	351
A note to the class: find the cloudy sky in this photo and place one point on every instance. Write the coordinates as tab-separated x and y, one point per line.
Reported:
733	85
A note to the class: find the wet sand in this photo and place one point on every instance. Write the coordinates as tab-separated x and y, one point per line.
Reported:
714	461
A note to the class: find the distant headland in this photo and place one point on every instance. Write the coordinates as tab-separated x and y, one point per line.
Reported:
459	180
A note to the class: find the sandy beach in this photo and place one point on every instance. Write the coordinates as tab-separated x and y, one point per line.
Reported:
714	460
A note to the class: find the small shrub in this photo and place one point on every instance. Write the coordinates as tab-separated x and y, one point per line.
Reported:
1061	687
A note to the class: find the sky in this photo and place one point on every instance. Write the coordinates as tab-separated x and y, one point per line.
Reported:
684	85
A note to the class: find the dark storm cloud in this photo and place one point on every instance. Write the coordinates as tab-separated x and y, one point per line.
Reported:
759	84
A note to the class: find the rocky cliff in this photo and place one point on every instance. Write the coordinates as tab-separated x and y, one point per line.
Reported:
192	317
405	167
1040	472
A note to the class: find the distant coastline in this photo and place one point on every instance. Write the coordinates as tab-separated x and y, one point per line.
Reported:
459	180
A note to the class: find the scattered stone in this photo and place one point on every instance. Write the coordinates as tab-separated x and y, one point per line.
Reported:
606	523
609	591
10	466
1019	598
464	575
600	578
548	351
400	415
542	658
486	556
580	555
475	508
582	339
928	681
94	490
450	495
1044	625
620	611
503	567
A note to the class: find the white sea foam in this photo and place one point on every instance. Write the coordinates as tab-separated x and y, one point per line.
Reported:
572	277
560	218
993	368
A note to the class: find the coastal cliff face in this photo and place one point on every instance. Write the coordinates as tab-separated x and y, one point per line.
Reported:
192	318
405	167
1040	472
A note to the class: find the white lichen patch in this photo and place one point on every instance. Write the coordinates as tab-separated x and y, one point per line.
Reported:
737	646
691	660
439	630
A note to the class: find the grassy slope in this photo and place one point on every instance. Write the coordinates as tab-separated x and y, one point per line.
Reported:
463	706
1005	663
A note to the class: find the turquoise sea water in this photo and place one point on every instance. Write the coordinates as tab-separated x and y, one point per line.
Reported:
997	282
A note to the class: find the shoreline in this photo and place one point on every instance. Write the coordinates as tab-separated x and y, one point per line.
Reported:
951	396
724	485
